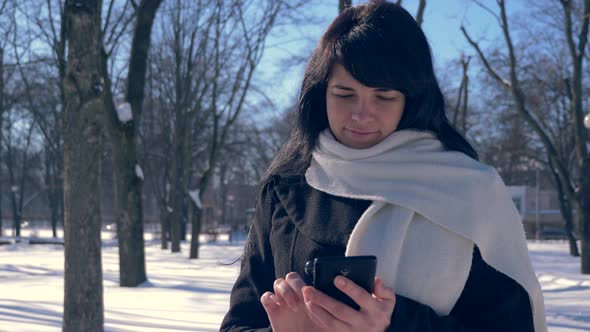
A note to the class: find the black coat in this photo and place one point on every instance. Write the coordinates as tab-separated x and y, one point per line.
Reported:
295	223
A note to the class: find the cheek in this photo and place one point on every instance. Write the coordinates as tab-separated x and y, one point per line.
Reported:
390	119
336	112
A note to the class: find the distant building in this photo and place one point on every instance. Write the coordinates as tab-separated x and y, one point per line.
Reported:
546	216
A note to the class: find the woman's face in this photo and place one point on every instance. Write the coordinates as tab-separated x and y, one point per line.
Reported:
360	116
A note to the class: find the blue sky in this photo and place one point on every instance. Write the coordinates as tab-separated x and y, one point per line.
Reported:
442	20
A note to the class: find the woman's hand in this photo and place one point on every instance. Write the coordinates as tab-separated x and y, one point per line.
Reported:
296	307
330	314
285	307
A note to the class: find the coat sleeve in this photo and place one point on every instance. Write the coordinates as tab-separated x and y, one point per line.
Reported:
490	301
256	273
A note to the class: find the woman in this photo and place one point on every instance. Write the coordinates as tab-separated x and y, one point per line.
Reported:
373	167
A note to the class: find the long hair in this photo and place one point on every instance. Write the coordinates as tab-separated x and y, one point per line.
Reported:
380	45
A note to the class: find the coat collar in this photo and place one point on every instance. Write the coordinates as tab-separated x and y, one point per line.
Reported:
322	218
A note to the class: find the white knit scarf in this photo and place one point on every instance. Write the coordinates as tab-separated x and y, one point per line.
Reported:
429	208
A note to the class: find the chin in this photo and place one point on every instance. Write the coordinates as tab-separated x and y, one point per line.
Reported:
359	145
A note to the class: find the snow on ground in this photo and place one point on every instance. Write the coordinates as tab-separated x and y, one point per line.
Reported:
193	295
566	291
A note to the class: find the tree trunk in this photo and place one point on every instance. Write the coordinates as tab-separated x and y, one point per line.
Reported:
1	123
566	212
128	184
465	100
54	220
582	194
165	229
62	207
54	202
184	219
177	174
177	197
177	191
129	207
16	217
584	214
52	192
1	217
196	230
83	292
569	228
128	189
13	189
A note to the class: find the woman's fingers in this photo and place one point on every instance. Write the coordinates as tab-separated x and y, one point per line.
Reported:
383	292
296	283
283	290
276	310
319	314
271	303
337	309
354	291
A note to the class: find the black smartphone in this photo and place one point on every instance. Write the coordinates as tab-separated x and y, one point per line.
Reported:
360	269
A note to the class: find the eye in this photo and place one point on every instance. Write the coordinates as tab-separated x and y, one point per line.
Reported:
343	96
385	98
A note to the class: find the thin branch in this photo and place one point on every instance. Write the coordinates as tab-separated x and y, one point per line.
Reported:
113	37
108	18
420	14
115	40
485	61
489	10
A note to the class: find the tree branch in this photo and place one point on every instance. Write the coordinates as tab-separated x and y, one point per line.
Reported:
420	13
485	61
517	93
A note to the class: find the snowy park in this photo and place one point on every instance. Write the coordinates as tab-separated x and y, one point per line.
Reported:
153	133
193	295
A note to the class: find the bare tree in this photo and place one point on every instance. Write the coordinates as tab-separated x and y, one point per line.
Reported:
460	111
7	23
84	108
576	188
228	92
205	60
18	150
128	175
154	139
18	154
191	71
45	99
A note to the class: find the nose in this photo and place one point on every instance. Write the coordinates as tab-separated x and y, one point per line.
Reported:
361	111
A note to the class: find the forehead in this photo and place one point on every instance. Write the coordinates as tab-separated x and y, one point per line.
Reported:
340	78
339	74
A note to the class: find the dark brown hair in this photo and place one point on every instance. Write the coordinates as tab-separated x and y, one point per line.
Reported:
380	45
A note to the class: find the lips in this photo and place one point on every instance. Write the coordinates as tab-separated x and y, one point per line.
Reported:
360	132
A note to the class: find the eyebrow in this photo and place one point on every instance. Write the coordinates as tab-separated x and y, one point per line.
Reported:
343	87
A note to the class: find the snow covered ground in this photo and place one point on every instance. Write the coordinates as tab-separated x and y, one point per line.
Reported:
193	295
